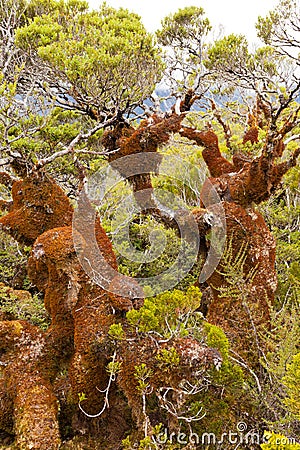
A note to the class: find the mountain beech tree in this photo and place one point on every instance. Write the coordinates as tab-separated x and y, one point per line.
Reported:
77	91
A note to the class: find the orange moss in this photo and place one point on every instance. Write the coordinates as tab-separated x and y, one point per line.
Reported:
95	239
39	204
36	415
251	135
239	186
239	160
92	319
216	163
153	132
147	137
28	388
244	314
96	310
7	408
127	293
6	179
6	292
81	312
263	112
255	181
194	360
282	168
241	308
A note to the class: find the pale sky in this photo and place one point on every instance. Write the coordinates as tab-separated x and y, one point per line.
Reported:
236	16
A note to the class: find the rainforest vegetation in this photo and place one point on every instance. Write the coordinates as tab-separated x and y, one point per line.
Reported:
149	230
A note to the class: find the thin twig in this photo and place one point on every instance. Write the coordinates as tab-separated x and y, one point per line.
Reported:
112	378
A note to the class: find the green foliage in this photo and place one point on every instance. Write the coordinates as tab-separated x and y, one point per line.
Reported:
20	305
113	367
31	127
91	50
265	25
81	397
266	71
279	24
183	36
116	331
230	52
264	61
229	375
282	214
19	119
216	338
282	343
145	249
233	271
291	381
149	260
34	128
184	28
57	8
142	375
155	441
224	400
12	262
165	312
279	442
168	358
61	126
